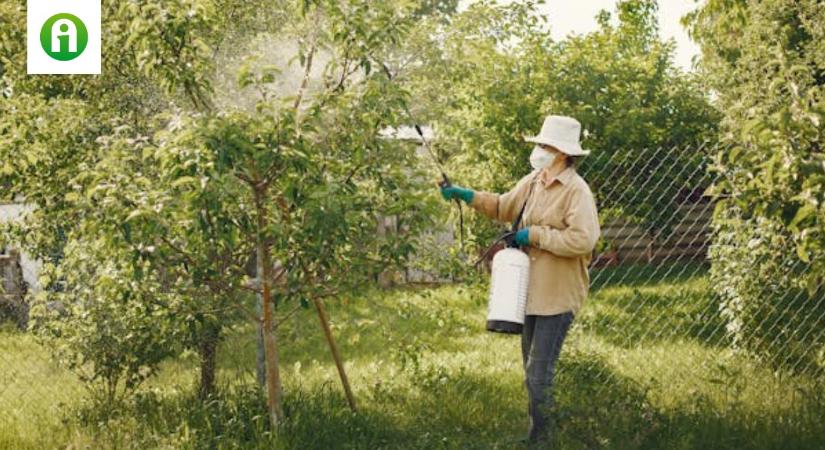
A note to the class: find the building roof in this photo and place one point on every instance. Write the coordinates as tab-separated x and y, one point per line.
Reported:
407	133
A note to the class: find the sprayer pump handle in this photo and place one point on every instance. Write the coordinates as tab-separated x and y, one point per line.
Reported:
509	239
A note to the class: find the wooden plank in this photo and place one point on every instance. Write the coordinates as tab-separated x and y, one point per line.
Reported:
641	254
684	255
630	241
674	218
633	243
614	233
683	241
686	245
620	224
696	207
695	215
633	257
691	228
688	239
621	229
684	223
673	239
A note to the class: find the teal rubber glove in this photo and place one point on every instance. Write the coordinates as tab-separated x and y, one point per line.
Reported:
452	192
522	237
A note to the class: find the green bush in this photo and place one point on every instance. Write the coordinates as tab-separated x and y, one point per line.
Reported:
108	325
759	279
764	61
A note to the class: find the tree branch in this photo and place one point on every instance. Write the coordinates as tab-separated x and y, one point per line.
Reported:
307	69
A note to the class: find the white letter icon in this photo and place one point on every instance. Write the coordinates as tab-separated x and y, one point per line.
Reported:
64	27
62	37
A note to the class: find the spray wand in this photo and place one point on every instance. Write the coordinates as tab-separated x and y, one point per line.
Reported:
445	180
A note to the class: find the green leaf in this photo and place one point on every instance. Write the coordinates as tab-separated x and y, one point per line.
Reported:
803	255
136	213
803	213
72	197
184	181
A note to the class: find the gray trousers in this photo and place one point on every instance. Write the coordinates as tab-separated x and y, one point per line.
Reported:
541	341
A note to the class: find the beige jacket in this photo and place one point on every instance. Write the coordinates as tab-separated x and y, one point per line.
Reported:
564	228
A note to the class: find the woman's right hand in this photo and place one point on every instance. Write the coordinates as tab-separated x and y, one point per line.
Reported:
453	192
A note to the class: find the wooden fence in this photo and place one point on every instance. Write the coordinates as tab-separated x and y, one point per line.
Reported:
686	239
12	289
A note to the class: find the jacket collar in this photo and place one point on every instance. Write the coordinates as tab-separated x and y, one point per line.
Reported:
564	177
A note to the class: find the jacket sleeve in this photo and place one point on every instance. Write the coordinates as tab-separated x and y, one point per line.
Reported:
503	207
582	231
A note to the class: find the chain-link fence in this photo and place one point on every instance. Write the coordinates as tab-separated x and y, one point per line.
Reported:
684	300
662	310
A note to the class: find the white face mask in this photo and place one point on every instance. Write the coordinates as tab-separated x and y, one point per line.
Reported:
541	158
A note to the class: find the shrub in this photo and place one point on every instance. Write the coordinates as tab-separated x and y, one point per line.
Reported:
103	322
758	277
764	60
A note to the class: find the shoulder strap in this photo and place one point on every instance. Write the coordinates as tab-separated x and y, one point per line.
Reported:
517	222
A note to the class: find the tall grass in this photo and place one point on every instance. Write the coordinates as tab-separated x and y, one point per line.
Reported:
641	369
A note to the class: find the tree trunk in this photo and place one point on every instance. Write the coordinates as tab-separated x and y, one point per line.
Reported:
273	376
208	352
260	358
260	354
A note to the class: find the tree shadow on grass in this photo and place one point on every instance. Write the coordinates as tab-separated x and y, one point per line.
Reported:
459	409
431	406
597	408
662	310
435	411
236	417
642	274
365	329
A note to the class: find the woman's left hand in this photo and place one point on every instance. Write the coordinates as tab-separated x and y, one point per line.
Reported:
522	237
453	192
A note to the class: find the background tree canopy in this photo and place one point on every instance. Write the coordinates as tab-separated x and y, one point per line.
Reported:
490	75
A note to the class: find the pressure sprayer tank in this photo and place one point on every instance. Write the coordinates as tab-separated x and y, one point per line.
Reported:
508	291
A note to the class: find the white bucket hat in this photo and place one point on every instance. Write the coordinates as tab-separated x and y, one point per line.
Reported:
561	132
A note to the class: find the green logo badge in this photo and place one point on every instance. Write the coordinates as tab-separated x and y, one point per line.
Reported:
64	37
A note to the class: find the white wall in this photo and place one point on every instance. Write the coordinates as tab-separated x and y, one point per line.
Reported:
31	267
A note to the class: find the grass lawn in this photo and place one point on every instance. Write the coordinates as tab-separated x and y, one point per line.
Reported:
645	366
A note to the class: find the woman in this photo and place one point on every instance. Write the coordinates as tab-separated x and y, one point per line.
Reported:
560	228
